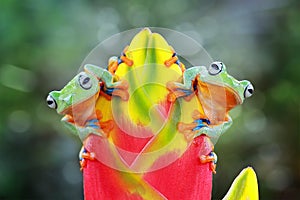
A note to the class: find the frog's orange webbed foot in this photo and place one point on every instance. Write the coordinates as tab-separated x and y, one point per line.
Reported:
174	60
101	127
84	155
210	158
175	90
106	126
121	88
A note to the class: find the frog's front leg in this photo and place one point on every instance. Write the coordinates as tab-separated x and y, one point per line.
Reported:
187	88
214	131
206	153
202	125
108	79
118	88
111	87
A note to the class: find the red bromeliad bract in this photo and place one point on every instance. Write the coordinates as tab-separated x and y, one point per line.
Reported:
186	178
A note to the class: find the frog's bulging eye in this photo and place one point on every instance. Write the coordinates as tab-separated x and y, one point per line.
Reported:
248	91
85	81
215	68
51	102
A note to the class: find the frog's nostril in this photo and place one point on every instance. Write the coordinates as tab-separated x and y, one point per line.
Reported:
51	102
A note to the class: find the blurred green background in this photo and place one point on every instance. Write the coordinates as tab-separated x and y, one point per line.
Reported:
42	44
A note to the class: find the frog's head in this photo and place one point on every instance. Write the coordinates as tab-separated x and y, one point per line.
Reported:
77	95
220	92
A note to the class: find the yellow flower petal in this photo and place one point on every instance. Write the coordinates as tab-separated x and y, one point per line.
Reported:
244	187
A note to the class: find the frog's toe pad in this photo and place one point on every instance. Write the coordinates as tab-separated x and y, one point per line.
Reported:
210	158
84	156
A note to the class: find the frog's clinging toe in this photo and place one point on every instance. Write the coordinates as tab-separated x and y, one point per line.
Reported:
84	155
210	158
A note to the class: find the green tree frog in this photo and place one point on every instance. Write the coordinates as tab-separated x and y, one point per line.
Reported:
76	101
217	92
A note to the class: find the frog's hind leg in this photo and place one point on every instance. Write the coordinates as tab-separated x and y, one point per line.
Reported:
84	155
210	158
191	130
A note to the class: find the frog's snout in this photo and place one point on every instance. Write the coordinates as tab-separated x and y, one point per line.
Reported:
51	102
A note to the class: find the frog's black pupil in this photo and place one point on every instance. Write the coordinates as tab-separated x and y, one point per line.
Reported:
86	80
49	102
215	66
250	90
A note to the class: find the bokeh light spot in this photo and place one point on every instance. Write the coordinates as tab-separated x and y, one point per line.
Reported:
279	178
255	121
19	121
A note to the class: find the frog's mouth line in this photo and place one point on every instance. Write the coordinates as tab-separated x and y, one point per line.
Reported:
217	101
80	108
